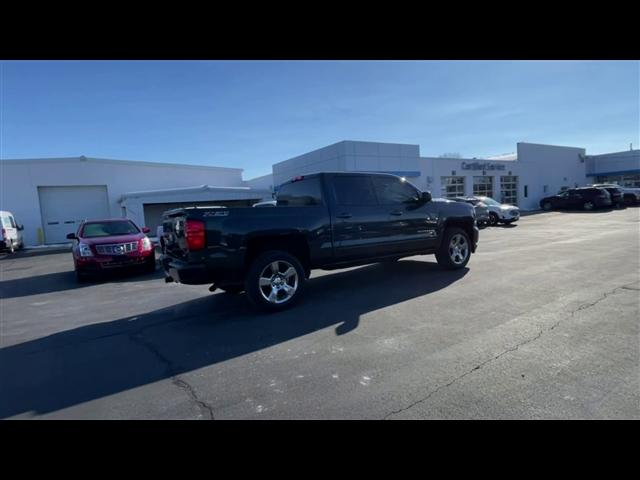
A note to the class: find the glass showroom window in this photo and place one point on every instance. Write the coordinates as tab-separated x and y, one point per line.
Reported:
452	187
622	180
630	181
483	186
509	189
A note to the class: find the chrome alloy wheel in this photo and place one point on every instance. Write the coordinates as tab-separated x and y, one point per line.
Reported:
278	282
458	249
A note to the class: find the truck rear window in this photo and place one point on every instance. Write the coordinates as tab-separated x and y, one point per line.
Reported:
354	190
300	193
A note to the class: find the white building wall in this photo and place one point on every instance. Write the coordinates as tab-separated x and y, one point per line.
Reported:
265	182
19	181
627	162
330	158
350	155
548	168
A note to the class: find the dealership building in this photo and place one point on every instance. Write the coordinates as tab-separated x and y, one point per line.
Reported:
521	178
51	196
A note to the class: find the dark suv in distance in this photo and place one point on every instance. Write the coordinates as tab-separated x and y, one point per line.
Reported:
583	198
617	194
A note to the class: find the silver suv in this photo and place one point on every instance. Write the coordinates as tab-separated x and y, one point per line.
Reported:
500	212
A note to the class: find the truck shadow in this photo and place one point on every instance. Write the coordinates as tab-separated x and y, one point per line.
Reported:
98	360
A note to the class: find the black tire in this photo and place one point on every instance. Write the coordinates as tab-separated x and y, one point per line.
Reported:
444	253
232	289
588	206
150	265
256	294
12	247
493	218
546	206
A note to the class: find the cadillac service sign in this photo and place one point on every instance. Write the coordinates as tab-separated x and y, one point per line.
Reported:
482	166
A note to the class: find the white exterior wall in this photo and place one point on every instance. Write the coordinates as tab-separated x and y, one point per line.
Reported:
330	158
621	163
19	181
350	156
553	166
264	182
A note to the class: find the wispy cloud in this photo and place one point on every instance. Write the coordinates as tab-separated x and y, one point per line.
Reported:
464	106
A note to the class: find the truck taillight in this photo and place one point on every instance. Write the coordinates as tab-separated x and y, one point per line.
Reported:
194	233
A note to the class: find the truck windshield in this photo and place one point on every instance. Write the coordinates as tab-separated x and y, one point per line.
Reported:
106	229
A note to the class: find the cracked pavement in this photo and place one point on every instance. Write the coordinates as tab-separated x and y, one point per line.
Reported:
544	324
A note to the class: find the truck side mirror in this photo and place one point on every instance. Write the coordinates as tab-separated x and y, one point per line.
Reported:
20	227
146	229
71	236
426	197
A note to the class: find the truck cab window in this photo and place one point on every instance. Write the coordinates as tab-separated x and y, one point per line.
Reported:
300	193
393	191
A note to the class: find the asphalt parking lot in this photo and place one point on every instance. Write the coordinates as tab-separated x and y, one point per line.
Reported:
544	324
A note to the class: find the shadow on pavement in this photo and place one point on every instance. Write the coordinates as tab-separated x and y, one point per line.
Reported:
24	253
60	281
506	225
97	360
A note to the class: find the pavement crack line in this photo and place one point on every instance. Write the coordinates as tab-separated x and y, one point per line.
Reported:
509	350
179	382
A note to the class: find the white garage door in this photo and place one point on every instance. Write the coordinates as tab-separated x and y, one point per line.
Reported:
63	208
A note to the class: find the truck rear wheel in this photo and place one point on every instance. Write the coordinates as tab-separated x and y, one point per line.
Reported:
455	249
275	280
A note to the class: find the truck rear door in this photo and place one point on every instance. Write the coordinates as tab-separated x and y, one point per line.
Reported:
360	229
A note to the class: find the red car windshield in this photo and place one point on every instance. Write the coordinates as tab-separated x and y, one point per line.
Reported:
107	229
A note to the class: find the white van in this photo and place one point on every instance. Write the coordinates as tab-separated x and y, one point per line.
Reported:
10	232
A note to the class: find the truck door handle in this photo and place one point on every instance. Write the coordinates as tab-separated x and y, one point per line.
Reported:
396	213
344	215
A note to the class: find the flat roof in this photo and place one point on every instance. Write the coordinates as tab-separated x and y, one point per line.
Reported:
194	189
114	161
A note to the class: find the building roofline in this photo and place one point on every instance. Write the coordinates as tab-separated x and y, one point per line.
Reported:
260	177
82	158
633	153
549	145
193	189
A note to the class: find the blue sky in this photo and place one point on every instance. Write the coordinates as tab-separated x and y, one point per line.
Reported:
251	114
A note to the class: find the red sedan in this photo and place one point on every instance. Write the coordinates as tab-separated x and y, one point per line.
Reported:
105	245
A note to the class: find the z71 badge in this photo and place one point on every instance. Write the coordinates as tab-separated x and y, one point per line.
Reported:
219	213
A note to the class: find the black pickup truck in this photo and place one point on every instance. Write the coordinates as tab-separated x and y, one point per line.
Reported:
323	220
